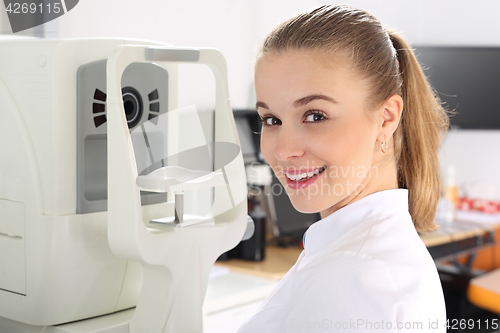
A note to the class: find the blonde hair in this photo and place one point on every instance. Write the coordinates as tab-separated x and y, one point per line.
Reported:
387	61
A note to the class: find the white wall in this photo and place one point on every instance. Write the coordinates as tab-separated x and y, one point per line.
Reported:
475	155
438	22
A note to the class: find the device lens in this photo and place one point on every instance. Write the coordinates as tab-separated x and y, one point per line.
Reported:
132	103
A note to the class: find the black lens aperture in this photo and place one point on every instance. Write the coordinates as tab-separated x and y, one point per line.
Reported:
132	103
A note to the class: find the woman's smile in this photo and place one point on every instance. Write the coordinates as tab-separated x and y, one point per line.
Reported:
297	179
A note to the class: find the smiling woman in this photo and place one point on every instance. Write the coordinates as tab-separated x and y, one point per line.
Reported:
351	128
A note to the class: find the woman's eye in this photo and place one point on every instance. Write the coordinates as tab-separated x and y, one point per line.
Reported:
314	117
270	121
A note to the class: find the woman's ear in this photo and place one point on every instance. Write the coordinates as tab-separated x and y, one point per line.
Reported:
391	114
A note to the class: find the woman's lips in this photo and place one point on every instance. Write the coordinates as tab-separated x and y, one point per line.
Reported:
304	182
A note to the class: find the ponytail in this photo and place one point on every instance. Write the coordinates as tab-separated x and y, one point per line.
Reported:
423	125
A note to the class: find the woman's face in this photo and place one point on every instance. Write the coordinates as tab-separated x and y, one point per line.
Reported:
317	134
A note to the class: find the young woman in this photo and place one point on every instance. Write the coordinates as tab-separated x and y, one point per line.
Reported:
351	128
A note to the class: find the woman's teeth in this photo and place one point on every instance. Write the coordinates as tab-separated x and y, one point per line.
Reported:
306	175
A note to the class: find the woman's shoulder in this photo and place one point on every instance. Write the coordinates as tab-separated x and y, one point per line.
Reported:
390	237
371	281
386	251
354	287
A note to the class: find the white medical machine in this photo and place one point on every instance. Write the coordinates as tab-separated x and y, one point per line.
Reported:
115	199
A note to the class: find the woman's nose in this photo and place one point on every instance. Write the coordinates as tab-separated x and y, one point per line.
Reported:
288	145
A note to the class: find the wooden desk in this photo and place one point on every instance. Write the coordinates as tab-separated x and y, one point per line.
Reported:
277	262
467	235
456	231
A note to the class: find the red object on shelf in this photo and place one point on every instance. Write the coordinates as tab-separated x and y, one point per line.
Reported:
481	205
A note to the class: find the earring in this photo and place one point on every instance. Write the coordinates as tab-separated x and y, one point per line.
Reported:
384	146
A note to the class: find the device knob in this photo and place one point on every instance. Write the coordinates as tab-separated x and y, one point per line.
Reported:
250	229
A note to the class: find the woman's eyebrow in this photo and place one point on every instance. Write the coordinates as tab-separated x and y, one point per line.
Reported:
261	105
304	100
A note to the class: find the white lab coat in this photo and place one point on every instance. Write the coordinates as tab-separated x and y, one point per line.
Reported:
363	269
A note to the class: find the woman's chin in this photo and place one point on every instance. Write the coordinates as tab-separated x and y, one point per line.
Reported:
307	206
